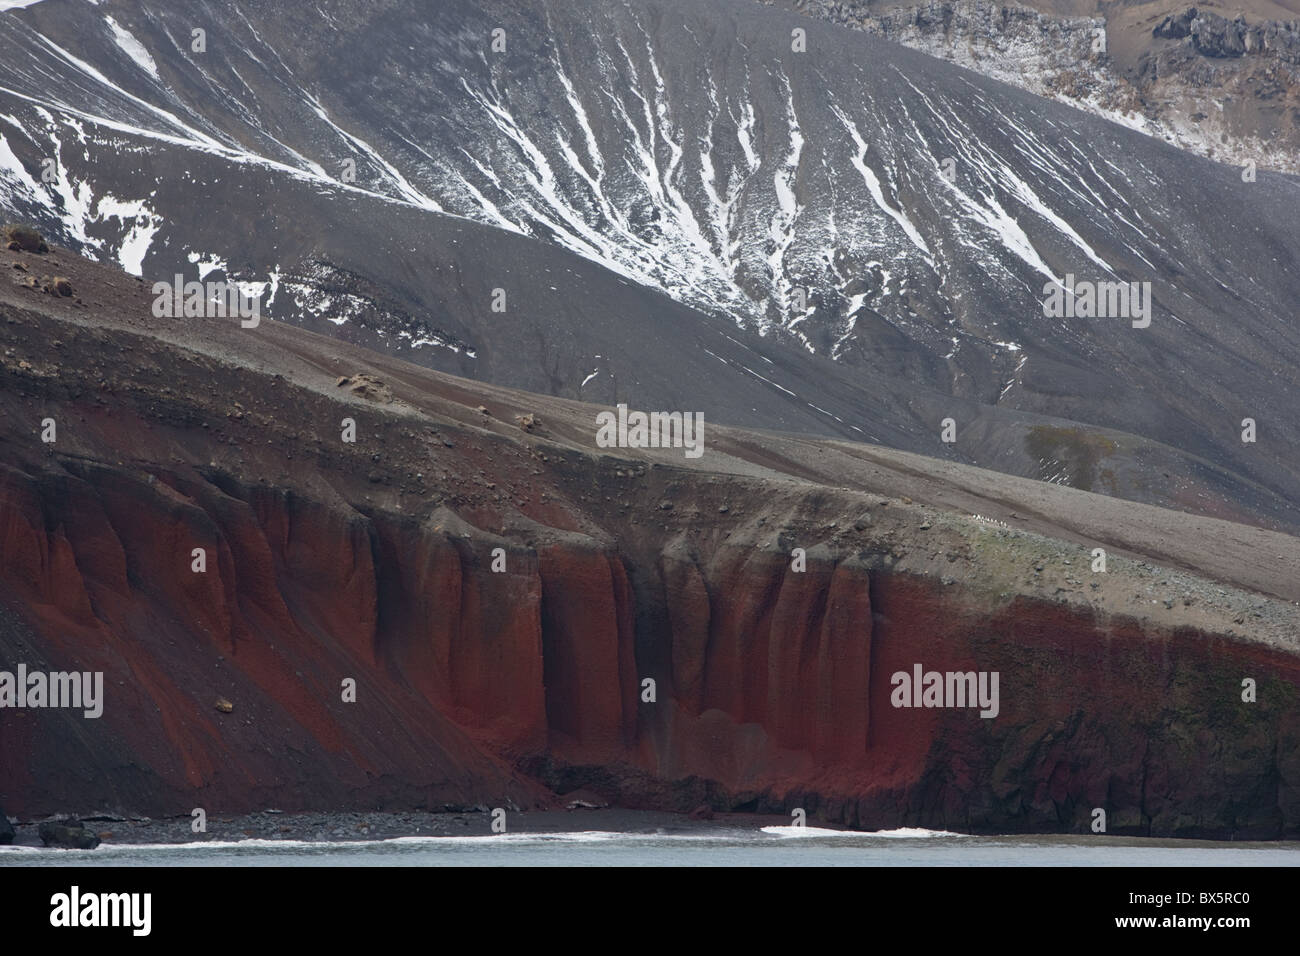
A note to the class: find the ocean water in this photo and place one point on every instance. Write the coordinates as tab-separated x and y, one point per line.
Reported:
769	846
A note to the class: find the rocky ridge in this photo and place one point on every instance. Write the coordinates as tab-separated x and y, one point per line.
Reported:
1225	87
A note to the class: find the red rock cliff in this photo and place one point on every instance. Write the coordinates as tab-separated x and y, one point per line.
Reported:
475	685
772	686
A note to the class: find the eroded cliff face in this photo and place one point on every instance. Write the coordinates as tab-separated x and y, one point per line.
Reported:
501	595
772	686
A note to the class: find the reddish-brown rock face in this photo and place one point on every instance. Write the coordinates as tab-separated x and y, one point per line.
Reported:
524	616
286	610
772	686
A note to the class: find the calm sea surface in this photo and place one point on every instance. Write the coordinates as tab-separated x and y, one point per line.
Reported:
771	846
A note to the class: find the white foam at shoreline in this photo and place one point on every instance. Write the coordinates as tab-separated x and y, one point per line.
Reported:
902	833
515	839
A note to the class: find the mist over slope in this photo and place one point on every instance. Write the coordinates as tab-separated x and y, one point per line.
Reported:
682	211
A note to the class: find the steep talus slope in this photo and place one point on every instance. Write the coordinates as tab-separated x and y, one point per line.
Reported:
684	213
375	561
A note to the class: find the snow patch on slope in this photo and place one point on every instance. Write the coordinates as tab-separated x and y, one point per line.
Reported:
132	48
143	226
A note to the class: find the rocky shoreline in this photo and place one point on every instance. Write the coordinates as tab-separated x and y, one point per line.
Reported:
334	827
363	826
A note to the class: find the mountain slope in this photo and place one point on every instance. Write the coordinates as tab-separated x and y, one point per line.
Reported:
658	150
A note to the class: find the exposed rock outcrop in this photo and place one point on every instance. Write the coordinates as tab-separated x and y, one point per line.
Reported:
1216	36
69	834
1159	73
367	387
21	238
